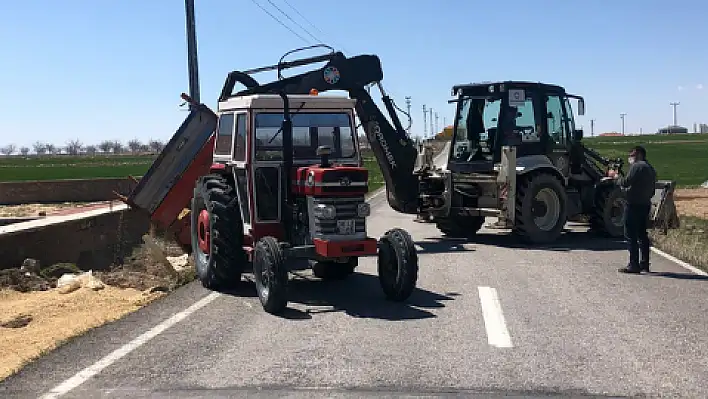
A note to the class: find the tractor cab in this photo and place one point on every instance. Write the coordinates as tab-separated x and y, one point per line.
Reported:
325	162
535	118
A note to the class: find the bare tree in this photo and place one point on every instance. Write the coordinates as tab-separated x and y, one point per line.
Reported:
24	150
105	146
73	147
51	148
156	145
144	148
117	147
91	149
134	145
39	148
8	149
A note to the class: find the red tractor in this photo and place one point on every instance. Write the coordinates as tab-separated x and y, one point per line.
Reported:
274	181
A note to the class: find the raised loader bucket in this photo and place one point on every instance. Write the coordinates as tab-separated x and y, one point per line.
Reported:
663	209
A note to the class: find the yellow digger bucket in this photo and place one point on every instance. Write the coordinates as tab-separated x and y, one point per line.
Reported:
663	208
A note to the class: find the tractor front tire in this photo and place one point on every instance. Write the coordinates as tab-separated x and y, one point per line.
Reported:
217	233
540	208
397	264
460	226
608	214
271	275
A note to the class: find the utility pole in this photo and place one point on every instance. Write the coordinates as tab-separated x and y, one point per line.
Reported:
622	116
592	127
425	122
437	127
192	52
674	105
444	122
432	131
408	107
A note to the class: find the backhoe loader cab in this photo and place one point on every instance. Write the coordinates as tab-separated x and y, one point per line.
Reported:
535	118
516	154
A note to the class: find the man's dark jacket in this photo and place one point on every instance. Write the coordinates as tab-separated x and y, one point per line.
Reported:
639	183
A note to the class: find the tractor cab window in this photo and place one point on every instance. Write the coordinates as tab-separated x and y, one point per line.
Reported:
519	123
569	116
310	130
555	122
476	129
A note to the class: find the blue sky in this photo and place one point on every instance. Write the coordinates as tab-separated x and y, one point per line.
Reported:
97	70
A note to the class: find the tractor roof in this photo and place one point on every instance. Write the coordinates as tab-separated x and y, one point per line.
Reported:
502	86
273	101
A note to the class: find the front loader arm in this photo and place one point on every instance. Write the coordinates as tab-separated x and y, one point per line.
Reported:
395	152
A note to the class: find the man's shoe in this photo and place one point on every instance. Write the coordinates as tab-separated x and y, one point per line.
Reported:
629	270
644	267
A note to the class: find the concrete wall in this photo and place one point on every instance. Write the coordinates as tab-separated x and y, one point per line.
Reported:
93	242
57	191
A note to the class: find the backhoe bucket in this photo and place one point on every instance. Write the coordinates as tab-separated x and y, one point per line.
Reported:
663	209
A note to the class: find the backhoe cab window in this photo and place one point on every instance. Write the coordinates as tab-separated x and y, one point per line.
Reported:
310	130
475	129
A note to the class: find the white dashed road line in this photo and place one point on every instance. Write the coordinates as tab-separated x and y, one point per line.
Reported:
497	333
90	371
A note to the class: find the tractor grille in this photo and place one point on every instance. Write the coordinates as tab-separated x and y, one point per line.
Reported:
345	209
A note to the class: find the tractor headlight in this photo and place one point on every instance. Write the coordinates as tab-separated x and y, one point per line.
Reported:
363	210
323	211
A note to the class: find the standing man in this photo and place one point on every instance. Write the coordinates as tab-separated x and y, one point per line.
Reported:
639	185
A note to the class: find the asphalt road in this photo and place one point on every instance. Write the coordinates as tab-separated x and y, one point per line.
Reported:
490	318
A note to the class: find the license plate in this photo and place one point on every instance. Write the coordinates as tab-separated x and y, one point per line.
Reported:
346	226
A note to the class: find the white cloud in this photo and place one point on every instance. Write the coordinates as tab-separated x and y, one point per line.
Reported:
699	86
680	88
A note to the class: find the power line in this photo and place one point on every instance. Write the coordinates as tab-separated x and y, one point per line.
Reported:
280	22
308	21
302	16
293	21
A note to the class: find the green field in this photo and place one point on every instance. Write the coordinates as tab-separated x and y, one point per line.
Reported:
59	167
88	167
679	157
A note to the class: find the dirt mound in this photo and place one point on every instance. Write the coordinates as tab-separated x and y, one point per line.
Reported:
17	280
36	316
142	270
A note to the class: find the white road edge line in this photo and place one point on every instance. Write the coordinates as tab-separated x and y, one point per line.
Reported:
497	333
90	371
680	262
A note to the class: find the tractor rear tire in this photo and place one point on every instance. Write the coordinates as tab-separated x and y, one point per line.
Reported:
460	226
397	264
271	275
327	270
608	214
217	233
540	196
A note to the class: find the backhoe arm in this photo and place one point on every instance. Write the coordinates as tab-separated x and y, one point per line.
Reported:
395	152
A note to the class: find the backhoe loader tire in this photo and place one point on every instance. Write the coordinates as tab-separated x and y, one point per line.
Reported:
607	217
538	196
217	233
327	270
460	226
397	264
271	275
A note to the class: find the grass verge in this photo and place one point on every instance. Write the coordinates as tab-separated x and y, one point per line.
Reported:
689	242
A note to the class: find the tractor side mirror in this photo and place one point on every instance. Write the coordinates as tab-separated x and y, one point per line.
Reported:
581	106
577	134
